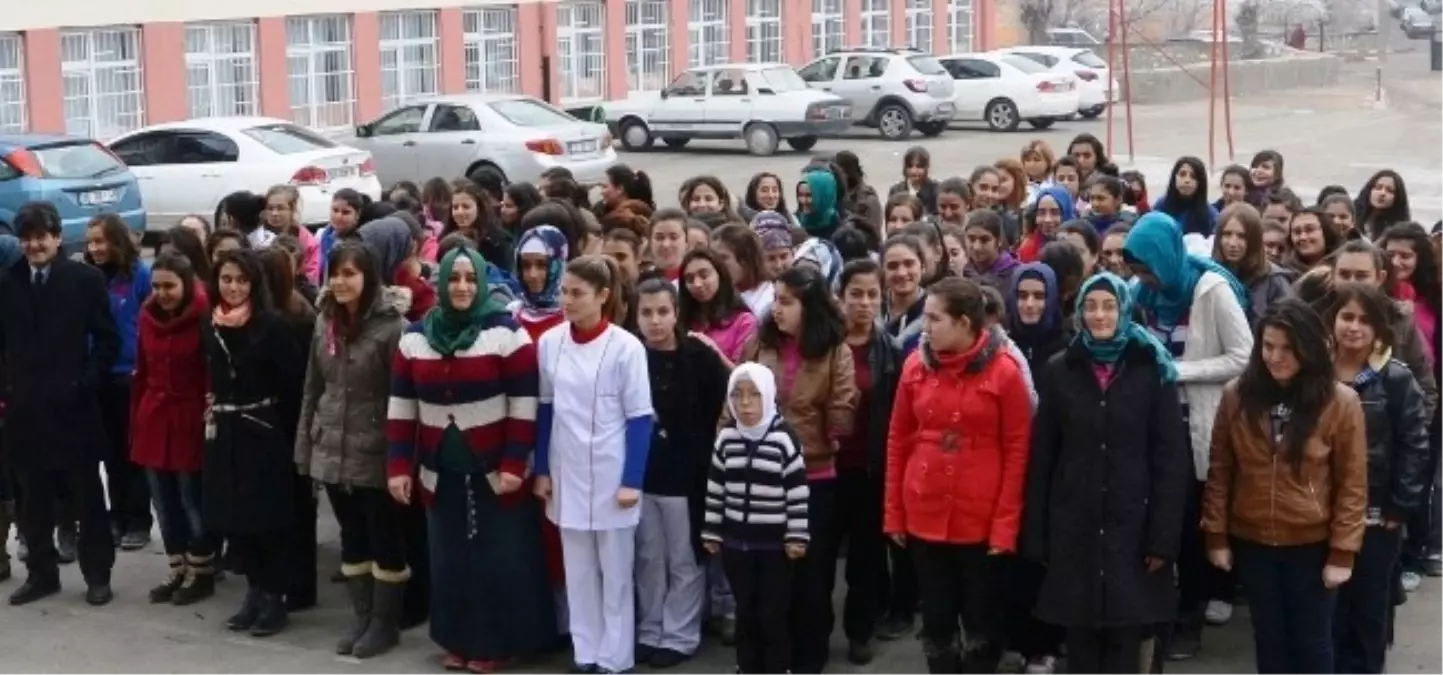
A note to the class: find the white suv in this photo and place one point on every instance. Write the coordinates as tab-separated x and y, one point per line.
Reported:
894	90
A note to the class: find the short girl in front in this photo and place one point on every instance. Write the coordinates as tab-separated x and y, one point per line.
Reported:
710	305
595	427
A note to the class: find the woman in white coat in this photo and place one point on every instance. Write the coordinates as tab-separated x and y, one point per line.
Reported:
1198	310
594	429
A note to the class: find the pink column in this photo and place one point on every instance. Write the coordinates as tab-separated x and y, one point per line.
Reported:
797	31
897	21
163	71
941	31
678	13
44	93
451	27
984	26
737	30
531	42
617	85
366	64
274	73
852	22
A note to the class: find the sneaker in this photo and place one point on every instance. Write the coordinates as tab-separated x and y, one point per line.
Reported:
1411	581
135	540
1042	665
1433	565
1218	613
1011	662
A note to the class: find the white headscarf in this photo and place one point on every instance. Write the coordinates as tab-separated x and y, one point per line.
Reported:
762	379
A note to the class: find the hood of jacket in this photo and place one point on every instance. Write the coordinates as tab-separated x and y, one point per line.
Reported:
392	302
976	358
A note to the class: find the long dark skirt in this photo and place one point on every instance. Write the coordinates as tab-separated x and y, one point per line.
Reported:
490	598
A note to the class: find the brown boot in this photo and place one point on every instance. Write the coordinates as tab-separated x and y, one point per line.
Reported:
199	582
173	579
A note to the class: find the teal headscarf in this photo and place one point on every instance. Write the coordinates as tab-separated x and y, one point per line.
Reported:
447	329
1128	332
821	218
1156	241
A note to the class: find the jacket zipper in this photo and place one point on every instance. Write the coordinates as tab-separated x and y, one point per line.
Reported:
1318	506
1273	501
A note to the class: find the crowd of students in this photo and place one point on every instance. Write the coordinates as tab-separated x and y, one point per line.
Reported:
1028	406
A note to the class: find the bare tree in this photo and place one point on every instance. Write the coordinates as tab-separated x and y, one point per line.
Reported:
1037	18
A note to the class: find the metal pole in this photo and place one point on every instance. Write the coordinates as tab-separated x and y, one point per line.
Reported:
1127	78
1213	88
1383	24
1112	38
1227	80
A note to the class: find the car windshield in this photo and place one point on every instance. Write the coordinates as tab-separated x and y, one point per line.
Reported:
1089	59
783	79
1043	59
1023	64
76	160
287	139
927	65
525	112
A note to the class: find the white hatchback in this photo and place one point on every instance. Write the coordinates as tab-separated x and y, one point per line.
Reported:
1096	85
1004	90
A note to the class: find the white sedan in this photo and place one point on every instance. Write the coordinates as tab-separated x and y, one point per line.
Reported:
1096	86
1004	90
186	168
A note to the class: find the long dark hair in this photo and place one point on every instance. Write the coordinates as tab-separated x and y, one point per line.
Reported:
751	194
726	303
1194	208
1377	222
1255	260
187	243
249	262
123	253
359	256
1425	279
525	196
180	266
280	273
1377	309
633	184
823	327
1307	394
564	216
485	208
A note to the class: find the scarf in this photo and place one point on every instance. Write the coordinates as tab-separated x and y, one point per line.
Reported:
389	240
774	231
447	329
1156	241
227	316
549	241
1051	314
1109	350
820	219
765	383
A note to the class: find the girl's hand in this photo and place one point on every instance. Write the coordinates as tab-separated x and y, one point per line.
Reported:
400	489
542	488
795	551
1334	576
706	340
509	483
711	547
1221	558
627	497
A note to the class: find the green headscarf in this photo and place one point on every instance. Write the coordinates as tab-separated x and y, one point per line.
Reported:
450	330
820	220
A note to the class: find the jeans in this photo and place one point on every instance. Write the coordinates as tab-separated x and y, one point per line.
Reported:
177	506
1292	612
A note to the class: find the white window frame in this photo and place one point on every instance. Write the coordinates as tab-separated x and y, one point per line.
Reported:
648	45
708	30
103	81
492	63
919	25
961	18
877	23
220	69
321	99
581	48
828	33
410	56
764	31
12	84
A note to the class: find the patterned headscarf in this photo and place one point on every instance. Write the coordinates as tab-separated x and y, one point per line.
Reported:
551	242
773	229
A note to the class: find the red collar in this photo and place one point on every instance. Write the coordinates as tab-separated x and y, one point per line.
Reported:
672	274
582	337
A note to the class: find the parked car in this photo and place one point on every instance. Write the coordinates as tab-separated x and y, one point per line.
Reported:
78	175
188	167
1005	89
1071	37
893	90
762	104
1417	24
486	137
1097	88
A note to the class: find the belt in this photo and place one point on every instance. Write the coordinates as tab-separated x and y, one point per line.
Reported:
242	407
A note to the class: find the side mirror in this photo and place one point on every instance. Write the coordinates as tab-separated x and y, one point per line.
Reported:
363	130
664	94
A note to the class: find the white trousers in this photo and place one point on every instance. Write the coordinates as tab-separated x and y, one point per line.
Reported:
599	589
670	585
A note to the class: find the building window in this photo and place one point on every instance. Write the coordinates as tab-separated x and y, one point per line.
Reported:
959	25
490	39
581	46
919	25
876	24
827	35
707	26
648	57
220	69
104	87
318	57
409	42
764	31
12	85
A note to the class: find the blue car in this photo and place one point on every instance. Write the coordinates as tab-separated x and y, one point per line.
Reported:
79	176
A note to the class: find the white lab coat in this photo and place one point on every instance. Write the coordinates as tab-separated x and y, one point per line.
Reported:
594	388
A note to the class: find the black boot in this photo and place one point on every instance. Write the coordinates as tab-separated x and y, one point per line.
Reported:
947	659
981	657
361	589
199	582
384	630
272	617
165	592
250	609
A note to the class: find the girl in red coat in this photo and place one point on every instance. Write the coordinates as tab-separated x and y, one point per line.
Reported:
956	464
168	424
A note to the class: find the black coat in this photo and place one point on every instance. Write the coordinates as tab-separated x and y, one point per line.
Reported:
249	472
59	341
927	194
1107	480
1397	421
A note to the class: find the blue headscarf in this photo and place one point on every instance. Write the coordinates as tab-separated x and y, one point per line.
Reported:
546	239
1064	201
1051	315
1156	241
1110	350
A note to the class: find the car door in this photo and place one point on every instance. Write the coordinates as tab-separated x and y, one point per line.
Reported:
729	104
392	142
207	161
453	139
682	106
860	81
822	73
149	157
975	81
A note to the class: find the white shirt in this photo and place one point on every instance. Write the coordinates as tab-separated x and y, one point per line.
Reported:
759	299
594	388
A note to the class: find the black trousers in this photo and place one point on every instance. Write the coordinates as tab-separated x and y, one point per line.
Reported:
416	608
957	582
1425	526
1024	632
899	584
815	577
40	508
266	559
1192	564
300	587
1116	649
1360	622
373	526
1291	610
761	582
125	481
859	517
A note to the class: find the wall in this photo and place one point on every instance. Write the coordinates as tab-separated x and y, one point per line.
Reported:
1169	85
20	15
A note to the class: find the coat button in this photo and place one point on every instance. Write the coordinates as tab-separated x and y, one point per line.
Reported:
949	470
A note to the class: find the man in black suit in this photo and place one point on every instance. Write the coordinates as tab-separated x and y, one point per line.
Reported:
58	339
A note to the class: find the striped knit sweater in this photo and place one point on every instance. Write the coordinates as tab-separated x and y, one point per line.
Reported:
488	391
756	491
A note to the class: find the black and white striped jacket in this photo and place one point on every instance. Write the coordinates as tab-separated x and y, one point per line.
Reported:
756	491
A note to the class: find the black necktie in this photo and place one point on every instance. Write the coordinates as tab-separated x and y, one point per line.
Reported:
39	278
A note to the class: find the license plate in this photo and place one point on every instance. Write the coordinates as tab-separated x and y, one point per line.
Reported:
581	147
836	113
946	109
341	172
98	197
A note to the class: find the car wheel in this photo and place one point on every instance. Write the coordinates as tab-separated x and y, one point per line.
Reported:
802	143
676	141
1001	115
1042	123
487	174
1092	113
894	122
761	139
635	137
932	129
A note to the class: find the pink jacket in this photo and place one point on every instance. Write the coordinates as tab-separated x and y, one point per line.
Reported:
733	333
